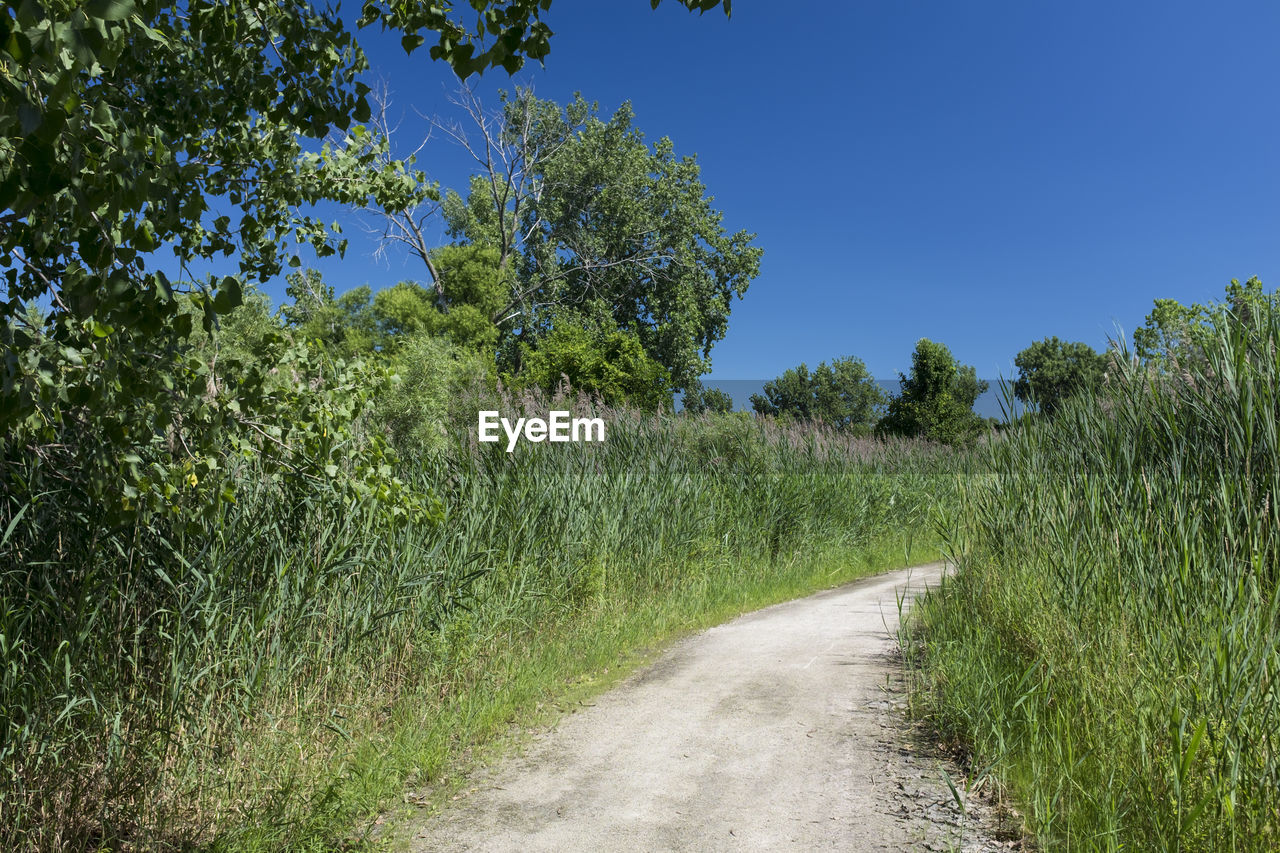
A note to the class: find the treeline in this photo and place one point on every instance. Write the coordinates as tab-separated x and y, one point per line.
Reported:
935	402
936	397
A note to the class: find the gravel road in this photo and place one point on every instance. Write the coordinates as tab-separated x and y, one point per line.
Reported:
780	730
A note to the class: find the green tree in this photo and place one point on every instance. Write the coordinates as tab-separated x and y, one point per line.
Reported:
601	360
1171	336
343	326
102	179
841	395
936	399
461	313
598	222
1051	370
699	399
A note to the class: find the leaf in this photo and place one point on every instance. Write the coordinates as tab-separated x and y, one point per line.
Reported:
29	117
110	10
229	296
362	111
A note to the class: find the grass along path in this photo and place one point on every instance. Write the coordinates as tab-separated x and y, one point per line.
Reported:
770	730
419	751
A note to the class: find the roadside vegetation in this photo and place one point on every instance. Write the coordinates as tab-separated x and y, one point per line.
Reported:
1107	650
274	676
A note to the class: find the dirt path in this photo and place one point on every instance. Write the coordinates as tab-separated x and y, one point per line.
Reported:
778	730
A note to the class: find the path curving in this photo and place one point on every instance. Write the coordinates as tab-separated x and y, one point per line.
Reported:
780	730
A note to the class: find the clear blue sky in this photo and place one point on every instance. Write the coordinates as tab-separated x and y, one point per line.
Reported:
984	174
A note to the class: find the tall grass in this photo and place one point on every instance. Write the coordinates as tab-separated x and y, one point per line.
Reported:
1108	648
270	679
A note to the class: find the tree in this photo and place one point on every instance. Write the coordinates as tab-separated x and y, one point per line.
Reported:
698	399
841	395
936	399
507	145
590	220
1170	337
1051	370
342	326
601	360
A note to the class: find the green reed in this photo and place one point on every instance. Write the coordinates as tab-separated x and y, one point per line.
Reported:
1108	648
264	680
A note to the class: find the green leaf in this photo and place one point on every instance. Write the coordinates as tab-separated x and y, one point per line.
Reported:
110	10
29	118
229	296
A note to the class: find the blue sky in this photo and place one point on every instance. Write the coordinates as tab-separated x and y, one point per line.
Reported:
985	174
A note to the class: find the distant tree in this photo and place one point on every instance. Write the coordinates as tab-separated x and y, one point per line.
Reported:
1051	370
841	395
341	325
936	400
699	399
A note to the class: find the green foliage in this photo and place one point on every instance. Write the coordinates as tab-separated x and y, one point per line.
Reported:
344	326
504	34
121	637
409	309
360	322
1050	371
1172	336
698	400
841	395
428	382
1109	645
248	335
475	294
608	363
936	400
614	227
100	178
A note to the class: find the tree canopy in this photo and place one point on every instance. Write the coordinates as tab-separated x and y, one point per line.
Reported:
936	398
608	226
841	395
1051	370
